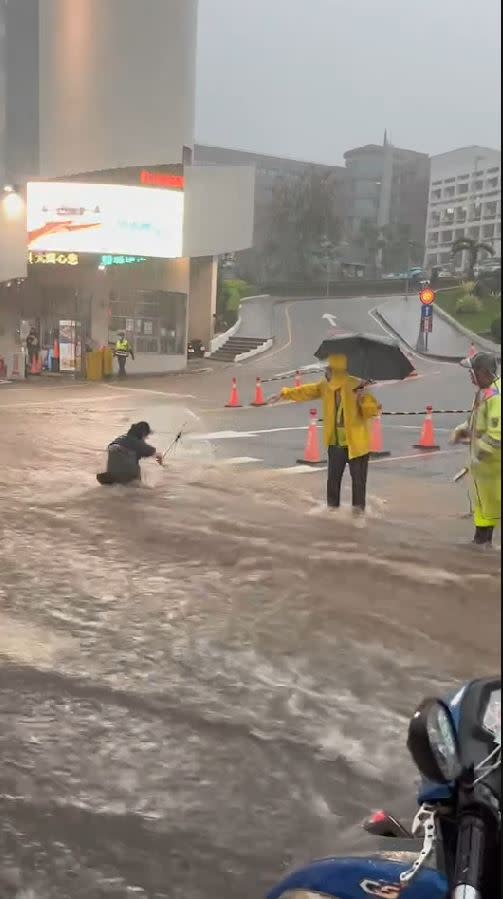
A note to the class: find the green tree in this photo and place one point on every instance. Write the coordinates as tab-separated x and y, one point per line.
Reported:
474	248
302	218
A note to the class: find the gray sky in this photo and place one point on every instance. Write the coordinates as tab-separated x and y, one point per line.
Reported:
311	78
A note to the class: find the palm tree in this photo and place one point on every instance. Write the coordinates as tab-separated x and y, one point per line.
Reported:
473	248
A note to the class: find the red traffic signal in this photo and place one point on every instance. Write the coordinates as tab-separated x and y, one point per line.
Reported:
427	296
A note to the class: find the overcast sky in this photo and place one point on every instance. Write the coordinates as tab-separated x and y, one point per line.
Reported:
311	78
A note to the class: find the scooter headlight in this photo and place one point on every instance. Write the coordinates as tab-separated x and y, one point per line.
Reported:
433	742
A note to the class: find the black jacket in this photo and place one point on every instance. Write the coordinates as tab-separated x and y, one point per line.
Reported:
124	456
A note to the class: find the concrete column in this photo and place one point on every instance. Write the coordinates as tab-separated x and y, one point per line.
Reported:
202	297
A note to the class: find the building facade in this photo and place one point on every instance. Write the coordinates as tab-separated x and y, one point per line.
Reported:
464	202
104	221
387	191
271	173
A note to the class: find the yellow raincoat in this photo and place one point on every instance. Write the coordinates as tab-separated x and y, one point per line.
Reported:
357	412
484	426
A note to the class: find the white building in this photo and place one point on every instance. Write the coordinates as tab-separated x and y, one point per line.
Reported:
464	201
97	102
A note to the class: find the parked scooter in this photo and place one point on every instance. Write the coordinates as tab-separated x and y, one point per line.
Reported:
456	745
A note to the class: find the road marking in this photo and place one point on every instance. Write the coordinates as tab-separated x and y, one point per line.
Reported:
331	319
304	469
242	435
92	398
181	396
241	460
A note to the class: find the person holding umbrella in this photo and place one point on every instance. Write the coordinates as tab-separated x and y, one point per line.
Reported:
348	407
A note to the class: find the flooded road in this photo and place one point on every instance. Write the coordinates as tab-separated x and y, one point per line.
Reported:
208	678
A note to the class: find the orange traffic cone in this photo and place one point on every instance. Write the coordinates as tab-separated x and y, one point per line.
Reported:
298	379
427	439
234	402
36	367
259	394
472	351
377	450
312	450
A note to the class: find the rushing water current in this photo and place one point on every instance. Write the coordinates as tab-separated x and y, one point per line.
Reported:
205	679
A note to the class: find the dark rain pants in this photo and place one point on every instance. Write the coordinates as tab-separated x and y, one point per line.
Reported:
338	458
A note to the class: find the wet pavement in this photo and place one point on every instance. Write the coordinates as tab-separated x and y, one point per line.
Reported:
208	678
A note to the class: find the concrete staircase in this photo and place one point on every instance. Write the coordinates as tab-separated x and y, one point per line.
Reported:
235	346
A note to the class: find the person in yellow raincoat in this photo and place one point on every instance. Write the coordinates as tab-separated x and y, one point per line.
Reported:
483	430
347	409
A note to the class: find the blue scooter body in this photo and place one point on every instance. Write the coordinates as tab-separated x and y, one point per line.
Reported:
355	878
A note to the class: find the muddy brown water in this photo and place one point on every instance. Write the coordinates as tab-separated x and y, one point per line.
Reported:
206	679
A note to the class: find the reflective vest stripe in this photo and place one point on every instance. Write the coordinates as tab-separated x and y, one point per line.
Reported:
340	430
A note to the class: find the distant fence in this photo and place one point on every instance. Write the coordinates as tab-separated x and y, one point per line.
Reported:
358	287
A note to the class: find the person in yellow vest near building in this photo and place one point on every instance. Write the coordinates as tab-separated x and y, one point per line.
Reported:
123	349
483	431
347	409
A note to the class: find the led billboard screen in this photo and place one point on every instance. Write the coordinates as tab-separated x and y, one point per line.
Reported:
75	217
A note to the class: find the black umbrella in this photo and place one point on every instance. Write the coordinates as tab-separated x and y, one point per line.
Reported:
369	357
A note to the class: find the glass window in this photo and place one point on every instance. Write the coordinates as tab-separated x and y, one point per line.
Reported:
461	214
463	188
433	238
478	185
449	180
446	237
436	194
154	321
488	231
492	183
463	177
476	212
474	232
491	210
459	233
493	170
449	192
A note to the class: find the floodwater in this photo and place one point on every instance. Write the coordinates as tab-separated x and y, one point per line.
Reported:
205	679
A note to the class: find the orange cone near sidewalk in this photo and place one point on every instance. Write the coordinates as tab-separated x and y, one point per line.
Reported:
259	394
312	450
377	450
427	441
298	379
472	351
234	402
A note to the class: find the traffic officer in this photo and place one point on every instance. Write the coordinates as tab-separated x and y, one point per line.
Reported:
347	409
123	349
483	431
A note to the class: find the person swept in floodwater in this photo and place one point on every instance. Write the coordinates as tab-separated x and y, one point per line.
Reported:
125	454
